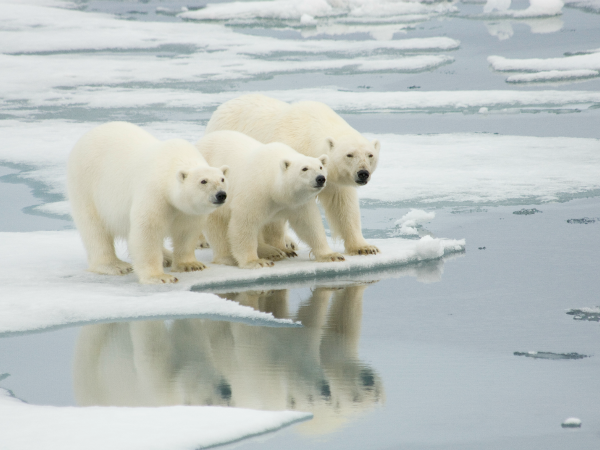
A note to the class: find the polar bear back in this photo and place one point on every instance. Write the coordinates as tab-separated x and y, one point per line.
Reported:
304	125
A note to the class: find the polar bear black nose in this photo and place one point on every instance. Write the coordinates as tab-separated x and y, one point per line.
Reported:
363	175
320	180
221	196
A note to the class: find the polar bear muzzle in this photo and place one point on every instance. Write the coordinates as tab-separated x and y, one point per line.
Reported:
320	181
362	177
220	198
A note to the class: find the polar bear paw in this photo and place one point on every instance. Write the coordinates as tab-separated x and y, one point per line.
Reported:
191	266
202	244
159	279
290	244
331	257
271	253
257	264
116	268
363	250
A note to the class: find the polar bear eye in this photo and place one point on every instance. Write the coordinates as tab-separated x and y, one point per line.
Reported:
370	155
320	167
305	169
223	180
349	155
203	182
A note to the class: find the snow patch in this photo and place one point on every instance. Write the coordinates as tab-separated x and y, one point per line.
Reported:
537	8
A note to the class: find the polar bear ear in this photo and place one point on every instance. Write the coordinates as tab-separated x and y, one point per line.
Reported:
285	164
182	175
376	144
330	143
225	169
324	159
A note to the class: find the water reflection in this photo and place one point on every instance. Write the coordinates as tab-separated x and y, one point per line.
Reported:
314	368
541	16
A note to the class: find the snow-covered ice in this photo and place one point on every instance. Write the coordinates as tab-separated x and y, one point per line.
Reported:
553	75
26	426
45	283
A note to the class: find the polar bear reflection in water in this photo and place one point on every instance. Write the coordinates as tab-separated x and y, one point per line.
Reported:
203	362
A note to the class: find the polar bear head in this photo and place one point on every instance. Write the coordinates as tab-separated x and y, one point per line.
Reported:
353	159
303	177
199	190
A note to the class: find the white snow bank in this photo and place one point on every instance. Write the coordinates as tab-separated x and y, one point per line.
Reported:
31	29
588	61
553	75
45	283
25	427
471	167
293	10
408	223
461	167
342	101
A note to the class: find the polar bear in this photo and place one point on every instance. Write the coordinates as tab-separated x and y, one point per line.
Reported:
312	128
123	182
269	184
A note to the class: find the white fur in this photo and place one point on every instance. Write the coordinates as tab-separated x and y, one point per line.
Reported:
268	186
123	182
311	128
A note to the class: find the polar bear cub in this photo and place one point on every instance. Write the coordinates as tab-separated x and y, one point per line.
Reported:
269	184
123	182
313	129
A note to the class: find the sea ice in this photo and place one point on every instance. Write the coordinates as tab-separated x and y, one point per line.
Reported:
409	222
26	426
452	168
588	62
553	75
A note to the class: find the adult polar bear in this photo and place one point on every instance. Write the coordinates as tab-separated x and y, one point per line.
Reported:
269	185
123	182
313	129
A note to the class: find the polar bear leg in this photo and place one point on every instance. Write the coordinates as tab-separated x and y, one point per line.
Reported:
343	215
216	232
306	222
146	248
184	234
202	242
243	238
274	234
99	244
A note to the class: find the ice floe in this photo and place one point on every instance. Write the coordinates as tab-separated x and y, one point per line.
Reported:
291	10
28	426
553	75
45	283
413	169
590	61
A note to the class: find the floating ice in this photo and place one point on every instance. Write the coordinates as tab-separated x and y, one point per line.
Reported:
409	222
571	422
553	75
28	426
450	168
590	61
527	212
589	314
550	355
45	283
292	10
585	220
